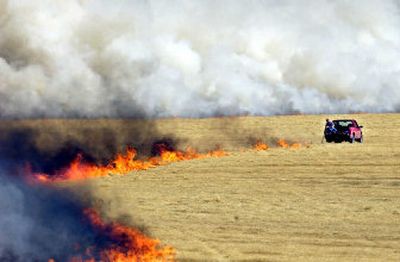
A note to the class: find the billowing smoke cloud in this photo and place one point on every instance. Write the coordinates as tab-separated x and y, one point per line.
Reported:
160	58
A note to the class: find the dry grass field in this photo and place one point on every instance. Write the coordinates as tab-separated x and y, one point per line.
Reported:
322	202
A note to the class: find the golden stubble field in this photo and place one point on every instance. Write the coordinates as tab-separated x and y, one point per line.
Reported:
323	202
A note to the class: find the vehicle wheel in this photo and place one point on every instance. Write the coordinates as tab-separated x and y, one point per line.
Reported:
352	139
361	139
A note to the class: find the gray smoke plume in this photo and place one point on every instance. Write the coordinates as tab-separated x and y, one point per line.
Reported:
158	58
39	223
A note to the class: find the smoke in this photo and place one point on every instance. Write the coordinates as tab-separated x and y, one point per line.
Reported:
38	223
49	145
143	58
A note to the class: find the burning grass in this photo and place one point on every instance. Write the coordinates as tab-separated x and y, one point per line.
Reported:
119	243
123	164
124	243
127	162
282	143
260	146
116	241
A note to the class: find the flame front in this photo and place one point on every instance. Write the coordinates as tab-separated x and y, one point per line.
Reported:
123	244
282	143
123	164
126	163
260	146
295	146
129	244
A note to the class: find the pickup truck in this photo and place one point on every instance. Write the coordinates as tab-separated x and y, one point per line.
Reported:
343	130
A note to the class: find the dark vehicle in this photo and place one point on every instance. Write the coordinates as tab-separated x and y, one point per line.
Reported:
343	130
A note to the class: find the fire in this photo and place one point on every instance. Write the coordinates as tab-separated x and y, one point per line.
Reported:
295	146
282	143
123	164
260	146
127	162
128	244
123	244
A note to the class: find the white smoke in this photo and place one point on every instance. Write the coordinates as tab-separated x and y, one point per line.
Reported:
157	58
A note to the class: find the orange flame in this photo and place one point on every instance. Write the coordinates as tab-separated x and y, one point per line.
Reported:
130	244
123	164
260	146
295	146
126	244
282	143
136	246
126	163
